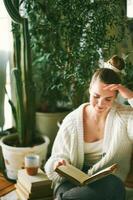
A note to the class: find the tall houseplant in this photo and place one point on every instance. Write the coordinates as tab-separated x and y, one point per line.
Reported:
27	140
66	37
22	72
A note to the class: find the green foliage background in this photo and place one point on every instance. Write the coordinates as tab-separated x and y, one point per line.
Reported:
65	38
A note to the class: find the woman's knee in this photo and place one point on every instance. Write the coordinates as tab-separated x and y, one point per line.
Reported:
110	187
116	184
118	188
81	193
74	193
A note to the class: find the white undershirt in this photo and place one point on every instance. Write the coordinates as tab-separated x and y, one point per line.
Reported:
92	152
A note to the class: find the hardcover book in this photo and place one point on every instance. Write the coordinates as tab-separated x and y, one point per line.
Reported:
79	177
46	192
22	196
34	183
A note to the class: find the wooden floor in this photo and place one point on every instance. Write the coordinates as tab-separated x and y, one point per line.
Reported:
6	186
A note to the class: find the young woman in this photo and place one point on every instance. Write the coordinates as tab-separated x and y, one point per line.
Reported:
94	136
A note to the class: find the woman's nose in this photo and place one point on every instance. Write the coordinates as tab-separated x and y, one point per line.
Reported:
101	102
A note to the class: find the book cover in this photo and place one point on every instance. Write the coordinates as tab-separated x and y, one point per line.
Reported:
33	183
79	177
45	192
21	196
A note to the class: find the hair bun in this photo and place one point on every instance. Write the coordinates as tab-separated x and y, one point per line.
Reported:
115	63
109	66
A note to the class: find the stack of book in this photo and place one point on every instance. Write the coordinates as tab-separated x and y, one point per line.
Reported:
36	187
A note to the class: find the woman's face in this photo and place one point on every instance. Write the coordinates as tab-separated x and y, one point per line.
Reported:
101	100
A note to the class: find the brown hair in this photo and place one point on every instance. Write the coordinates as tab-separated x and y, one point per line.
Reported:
107	76
117	62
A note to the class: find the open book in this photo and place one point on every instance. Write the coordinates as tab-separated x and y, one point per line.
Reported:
80	178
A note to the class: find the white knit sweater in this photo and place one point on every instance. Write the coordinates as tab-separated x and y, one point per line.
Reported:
117	142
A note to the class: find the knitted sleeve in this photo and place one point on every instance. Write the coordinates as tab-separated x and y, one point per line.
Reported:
60	150
130	126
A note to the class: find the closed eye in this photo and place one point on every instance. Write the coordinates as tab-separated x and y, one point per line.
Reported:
96	97
108	99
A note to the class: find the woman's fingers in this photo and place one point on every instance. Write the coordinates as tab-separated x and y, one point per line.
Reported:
125	92
112	87
59	163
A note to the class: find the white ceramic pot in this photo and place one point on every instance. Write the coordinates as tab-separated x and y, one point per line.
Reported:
46	124
14	156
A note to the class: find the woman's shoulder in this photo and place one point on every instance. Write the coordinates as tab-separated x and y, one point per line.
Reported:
123	108
123	112
75	115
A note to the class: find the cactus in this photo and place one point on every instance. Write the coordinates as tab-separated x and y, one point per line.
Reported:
24	111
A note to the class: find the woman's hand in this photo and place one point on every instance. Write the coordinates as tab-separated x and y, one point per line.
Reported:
125	92
59	163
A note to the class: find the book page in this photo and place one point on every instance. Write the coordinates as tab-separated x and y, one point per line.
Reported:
101	174
73	172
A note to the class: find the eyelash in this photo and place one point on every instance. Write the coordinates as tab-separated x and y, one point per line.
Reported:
96	97
108	99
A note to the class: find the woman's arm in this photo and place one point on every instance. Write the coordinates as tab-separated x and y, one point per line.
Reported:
60	152
125	92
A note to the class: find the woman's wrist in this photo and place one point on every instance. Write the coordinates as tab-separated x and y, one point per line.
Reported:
130	95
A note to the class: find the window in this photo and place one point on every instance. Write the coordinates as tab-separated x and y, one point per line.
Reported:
5	52
130	8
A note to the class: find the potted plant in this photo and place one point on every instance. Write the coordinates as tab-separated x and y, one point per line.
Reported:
66	38
26	140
